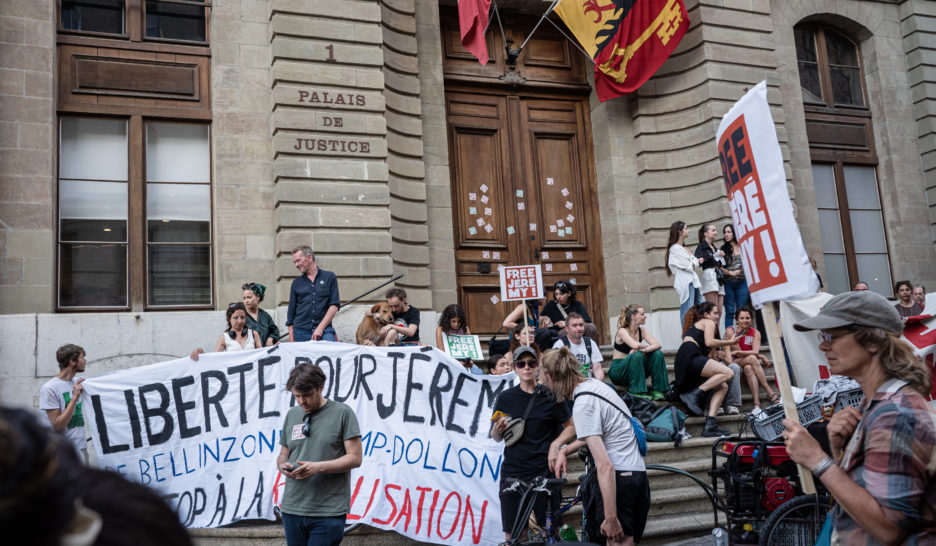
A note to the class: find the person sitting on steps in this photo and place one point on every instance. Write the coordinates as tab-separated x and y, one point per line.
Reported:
637	355
747	355
700	379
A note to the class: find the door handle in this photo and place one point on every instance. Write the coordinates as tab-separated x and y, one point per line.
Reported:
536	254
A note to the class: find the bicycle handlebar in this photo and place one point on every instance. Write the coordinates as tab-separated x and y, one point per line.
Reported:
537	482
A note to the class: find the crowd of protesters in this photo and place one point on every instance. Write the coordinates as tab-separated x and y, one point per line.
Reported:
560	403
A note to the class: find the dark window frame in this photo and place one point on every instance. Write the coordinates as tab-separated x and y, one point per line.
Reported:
137	240
819	31
839	158
135	25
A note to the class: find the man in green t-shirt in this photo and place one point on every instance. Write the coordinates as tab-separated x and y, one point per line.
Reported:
316	465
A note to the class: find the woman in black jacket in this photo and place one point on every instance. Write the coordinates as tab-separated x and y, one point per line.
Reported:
712	261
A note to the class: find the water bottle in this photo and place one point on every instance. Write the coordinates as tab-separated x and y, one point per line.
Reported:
567	533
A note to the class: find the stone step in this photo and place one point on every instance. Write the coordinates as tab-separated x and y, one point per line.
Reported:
678	500
670	529
661	479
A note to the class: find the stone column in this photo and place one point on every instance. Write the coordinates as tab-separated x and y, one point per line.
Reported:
918	22
27	154
330	140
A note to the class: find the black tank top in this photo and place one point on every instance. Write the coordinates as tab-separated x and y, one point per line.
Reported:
698	336
624	347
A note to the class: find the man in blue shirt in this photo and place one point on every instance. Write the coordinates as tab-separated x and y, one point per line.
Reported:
313	300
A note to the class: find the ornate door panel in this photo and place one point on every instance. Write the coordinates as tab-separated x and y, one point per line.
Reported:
522	193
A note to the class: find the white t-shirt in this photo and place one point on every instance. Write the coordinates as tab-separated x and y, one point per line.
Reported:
595	417
585	355
55	394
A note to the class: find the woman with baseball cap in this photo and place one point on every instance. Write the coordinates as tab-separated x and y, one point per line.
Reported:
882	473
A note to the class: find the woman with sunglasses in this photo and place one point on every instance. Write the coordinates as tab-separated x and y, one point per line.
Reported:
258	319
882	469
527	457
237	337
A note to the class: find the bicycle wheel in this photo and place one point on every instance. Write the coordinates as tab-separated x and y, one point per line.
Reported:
796	522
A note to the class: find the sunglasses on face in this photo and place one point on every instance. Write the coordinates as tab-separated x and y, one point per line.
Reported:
826	337
520	364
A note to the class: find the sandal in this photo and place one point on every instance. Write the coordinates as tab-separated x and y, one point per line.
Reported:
775	398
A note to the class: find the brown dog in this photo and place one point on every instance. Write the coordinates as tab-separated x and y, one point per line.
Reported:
369	330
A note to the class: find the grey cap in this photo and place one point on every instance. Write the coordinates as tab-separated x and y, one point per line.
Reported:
862	307
525	349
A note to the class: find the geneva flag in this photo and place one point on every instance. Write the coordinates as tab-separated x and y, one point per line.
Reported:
472	22
627	39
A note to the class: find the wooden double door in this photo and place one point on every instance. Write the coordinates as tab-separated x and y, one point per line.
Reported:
523	192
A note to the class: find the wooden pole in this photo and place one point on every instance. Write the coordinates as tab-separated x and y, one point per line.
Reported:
525	323
783	381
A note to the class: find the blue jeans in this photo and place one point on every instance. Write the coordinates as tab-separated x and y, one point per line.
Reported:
736	297
695	298
309	531
301	334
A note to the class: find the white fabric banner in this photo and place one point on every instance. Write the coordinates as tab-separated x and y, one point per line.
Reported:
808	362
206	435
774	259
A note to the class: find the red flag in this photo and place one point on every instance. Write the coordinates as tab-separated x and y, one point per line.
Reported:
628	39
473	21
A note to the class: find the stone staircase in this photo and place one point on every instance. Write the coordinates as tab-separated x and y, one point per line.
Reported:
679	509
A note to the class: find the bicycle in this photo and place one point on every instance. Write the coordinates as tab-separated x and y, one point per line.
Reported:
530	492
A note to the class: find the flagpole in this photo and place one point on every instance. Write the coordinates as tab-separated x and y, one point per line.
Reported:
538	23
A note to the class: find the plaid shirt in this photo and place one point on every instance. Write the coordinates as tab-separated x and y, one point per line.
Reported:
892	455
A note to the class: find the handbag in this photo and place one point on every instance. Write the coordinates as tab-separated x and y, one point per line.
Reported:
719	276
515	427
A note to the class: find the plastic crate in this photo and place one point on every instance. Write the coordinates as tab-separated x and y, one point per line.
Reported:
769	429
853	397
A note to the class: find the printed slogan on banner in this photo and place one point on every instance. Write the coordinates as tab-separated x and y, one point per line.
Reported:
759	250
775	262
206	435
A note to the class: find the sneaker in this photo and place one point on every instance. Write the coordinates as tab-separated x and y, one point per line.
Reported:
641	395
657	395
721	411
757	412
733	410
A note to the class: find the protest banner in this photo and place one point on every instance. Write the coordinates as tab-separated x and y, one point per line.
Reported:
808	362
206	435
461	346
772	253
920	333
521	282
775	262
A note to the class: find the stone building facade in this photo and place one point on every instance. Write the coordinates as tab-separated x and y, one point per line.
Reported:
341	124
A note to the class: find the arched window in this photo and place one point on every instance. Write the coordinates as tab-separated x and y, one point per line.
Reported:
829	67
841	145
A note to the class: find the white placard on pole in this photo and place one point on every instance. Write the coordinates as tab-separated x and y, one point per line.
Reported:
775	262
521	282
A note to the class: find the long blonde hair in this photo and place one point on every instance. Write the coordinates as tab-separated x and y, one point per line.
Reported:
563	370
897	358
626	314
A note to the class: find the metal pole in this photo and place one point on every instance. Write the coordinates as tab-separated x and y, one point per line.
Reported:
394	279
